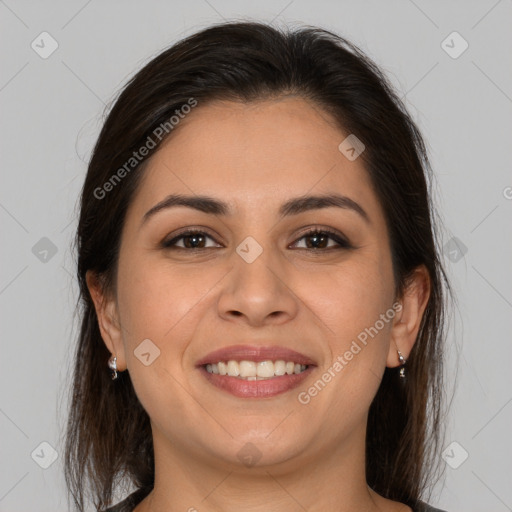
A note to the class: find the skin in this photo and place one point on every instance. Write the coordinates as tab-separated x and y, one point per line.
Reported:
188	304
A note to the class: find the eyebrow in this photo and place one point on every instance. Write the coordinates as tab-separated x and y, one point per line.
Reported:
293	206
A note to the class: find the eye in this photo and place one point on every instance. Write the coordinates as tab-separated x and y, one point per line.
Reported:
319	239
192	239
316	239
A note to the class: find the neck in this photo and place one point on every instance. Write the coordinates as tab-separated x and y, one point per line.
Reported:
333	480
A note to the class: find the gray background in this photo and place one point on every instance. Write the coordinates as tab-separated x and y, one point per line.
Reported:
51	112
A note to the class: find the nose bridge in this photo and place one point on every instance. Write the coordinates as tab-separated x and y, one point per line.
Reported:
257	287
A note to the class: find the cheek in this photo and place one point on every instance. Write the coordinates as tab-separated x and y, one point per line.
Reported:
355	303
162	301
164	304
348	302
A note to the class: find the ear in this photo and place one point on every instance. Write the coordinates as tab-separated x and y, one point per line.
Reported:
407	321
108	319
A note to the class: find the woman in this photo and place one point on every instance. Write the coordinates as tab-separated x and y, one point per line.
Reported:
259	272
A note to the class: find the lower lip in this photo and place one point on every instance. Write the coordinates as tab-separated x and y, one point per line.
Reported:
256	388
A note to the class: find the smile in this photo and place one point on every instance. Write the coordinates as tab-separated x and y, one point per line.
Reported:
252	370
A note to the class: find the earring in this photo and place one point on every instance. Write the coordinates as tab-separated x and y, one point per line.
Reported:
402	362
112	364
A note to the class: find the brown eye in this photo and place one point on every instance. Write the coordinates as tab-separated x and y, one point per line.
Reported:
316	240
191	240
319	239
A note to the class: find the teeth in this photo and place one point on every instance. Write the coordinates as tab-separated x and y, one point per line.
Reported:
265	369
223	368
233	369
279	368
250	370
247	368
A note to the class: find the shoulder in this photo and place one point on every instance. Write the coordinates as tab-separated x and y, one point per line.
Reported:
128	504
425	507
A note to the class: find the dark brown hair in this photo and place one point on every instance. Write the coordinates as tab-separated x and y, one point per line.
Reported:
108	437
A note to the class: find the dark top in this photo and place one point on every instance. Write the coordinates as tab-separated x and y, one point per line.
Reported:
135	498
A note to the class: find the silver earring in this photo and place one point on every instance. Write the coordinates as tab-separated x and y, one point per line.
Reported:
112	364
402	362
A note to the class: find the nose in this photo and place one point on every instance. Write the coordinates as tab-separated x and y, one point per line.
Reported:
258	292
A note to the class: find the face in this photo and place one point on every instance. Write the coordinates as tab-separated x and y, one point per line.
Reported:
257	281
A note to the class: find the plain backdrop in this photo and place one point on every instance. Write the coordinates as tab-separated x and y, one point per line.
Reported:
51	111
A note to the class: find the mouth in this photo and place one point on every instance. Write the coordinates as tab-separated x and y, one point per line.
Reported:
255	372
252	370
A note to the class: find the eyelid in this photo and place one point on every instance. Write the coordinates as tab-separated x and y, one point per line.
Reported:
315	228
338	237
166	242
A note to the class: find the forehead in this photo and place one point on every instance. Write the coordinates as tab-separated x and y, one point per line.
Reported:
254	154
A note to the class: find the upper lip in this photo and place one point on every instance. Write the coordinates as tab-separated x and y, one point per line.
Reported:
256	354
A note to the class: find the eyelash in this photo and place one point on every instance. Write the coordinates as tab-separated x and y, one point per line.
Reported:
342	243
